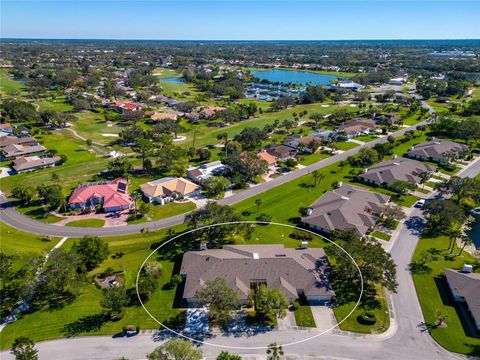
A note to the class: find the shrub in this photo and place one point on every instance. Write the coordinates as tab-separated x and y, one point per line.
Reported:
301	235
367	318
264	218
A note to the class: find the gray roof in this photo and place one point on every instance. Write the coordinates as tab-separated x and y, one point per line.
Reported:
347	207
31	162
11	140
22	149
466	285
286	269
397	169
435	148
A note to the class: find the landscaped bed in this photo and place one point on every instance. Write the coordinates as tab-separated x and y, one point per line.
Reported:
303	316
381	235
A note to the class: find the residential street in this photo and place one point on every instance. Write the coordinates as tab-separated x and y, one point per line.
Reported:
403	341
10	216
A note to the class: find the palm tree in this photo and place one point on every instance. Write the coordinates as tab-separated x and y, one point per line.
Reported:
424	177
317	177
136	195
453	234
258	202
274	351
466	240
224	137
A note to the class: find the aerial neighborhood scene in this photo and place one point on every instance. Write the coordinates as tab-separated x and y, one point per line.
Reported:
239	180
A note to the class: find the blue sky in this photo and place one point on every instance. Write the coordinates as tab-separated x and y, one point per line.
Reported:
241	20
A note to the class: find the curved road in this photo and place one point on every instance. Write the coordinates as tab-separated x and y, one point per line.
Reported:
403	341
10	216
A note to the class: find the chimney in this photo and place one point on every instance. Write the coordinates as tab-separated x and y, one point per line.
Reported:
203	246
309	211
304	245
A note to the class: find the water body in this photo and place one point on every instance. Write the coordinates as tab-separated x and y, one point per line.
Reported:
176	80
474	234
295	77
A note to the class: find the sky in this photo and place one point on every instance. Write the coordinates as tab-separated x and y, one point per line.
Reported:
240	19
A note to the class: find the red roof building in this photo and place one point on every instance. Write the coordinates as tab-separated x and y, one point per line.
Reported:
270	159
126	105
111	195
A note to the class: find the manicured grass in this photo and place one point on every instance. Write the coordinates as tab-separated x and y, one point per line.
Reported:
9	87
432	184
381	235
366	138
87	223
345	145
170	209
352	323
422	190
313	158
172	88
434	295
37	212
92	125
24	245
54	105
304	317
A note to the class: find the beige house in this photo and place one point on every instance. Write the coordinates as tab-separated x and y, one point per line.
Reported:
167	189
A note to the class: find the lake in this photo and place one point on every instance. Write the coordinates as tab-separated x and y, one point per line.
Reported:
176	80
474	234
295	77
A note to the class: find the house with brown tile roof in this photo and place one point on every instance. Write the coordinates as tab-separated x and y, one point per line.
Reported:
346	207
398	169
271	160
357	127
302	143
164	190
281	152
14	150
465	288
294	272
157	116
15	140
29	163
435	150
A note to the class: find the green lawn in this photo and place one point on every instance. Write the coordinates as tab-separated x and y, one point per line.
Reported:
9	87
313	158
366	138
54	105
25	246
92	125
172	88
434	295
352	323
345	145
96	223
37	212
381	235
163	211
304	317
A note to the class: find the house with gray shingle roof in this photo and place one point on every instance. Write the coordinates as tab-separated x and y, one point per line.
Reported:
398	169
434	150
347	207
294	272
465	288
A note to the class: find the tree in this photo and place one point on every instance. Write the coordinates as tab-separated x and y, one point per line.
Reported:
143	209
215	186
424	176
23	348
23	193
120	167
460	188
114	299
258	202
204	154
153	269
246	165
220	298
91	251
89	142
367	156
393	213
211	214
440	317
274	351
443	216
176	349
224	355
317	177
466	240
401	187
269	301
52	195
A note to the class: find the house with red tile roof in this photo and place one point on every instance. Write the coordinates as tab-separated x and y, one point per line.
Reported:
209	111
111	195
270	159
126	105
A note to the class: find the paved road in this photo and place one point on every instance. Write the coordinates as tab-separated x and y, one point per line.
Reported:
9	215
404	341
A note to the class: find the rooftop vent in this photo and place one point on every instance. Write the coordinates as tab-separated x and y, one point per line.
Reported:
309	211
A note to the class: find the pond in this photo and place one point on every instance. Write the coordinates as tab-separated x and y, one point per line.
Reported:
176	80
474	234
295	77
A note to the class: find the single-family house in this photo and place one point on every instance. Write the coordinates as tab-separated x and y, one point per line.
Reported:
110	195
435	150
15	140
158	116
122	105
167	189
346	207
14	150
357	127
346	85
271	160
281	152
465	288
301	272
325	134
29	163
398	169
201	173
209	111
307	144
6	129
